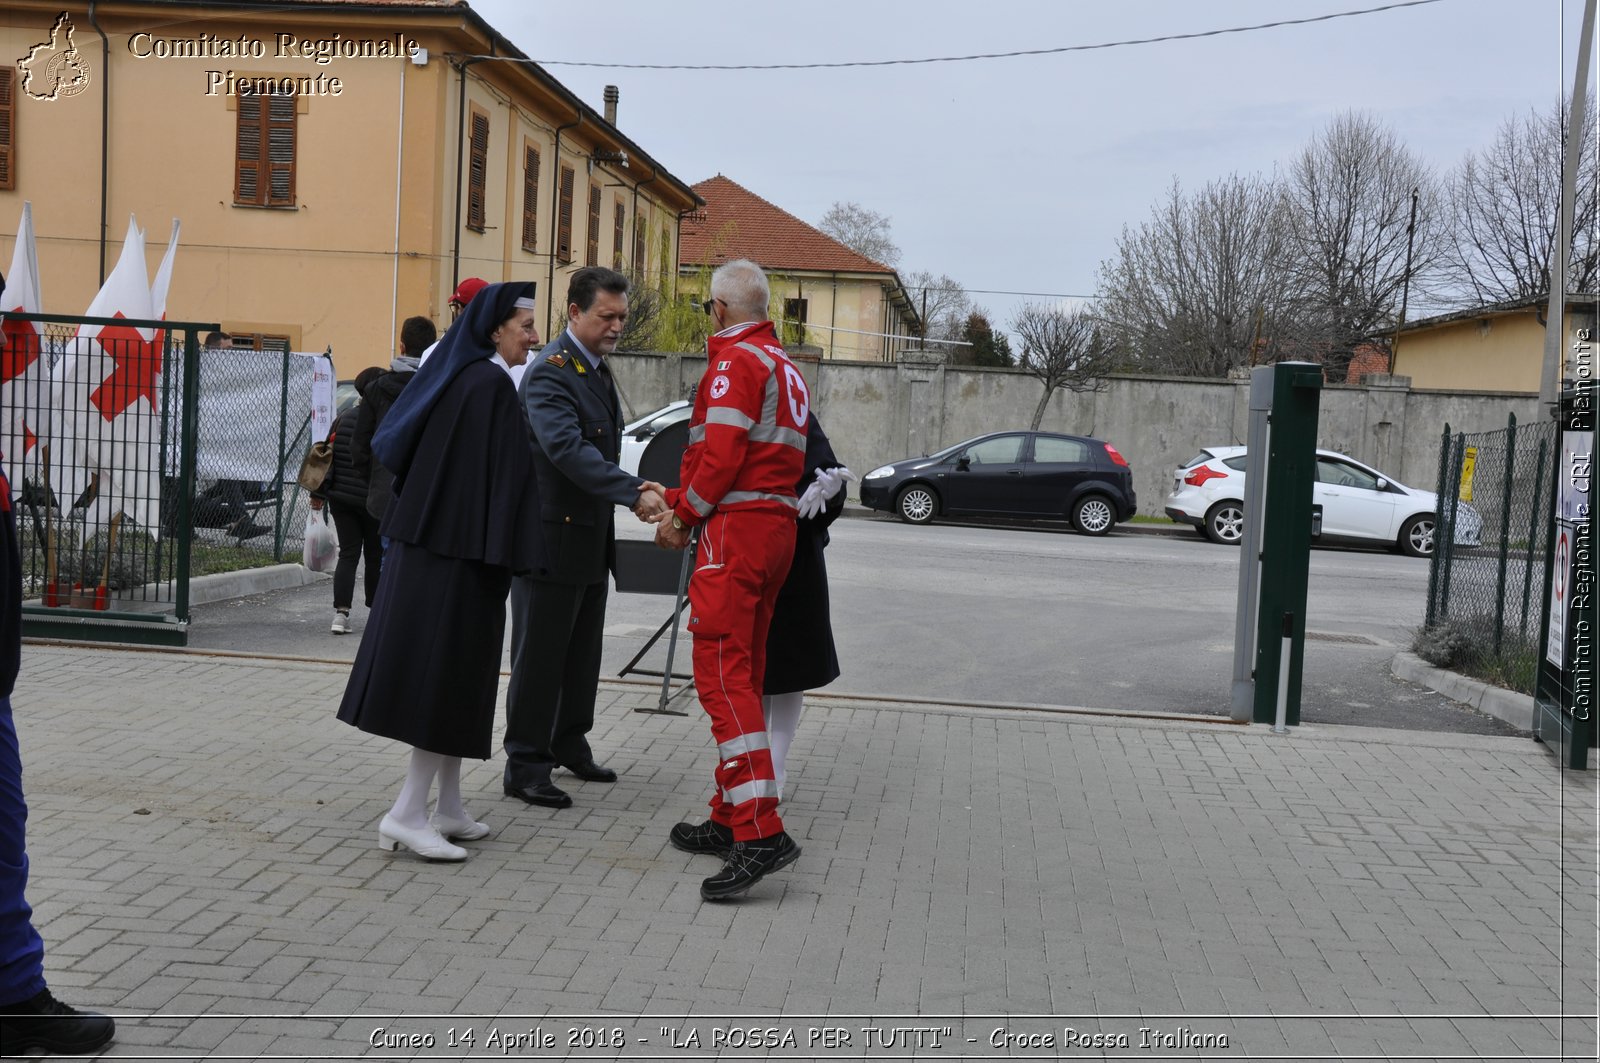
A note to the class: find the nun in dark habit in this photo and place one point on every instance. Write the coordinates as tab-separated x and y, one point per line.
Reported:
465	517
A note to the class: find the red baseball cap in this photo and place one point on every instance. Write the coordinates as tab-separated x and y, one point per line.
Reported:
467	289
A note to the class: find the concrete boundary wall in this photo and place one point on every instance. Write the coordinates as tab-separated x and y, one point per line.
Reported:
877	412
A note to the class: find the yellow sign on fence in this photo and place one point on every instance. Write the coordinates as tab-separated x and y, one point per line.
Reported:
1469	461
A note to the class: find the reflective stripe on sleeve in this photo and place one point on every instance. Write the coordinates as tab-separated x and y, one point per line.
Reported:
700	505
746	743
729	416
771	433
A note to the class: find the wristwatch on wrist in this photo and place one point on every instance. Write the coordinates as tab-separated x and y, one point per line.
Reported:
678	524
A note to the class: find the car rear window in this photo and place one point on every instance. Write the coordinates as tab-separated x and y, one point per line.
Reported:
1204	455
1238	462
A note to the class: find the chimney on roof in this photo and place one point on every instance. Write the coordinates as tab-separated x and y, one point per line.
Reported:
611	104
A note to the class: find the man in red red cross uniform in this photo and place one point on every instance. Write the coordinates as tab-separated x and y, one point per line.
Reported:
747	443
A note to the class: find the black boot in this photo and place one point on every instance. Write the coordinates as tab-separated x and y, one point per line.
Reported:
707	837
44	1022
747	863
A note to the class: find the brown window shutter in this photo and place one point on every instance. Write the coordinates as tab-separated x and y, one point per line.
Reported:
617	235
281	120
593	256
639	241
530	197
478	172
8	128
248	188
564	217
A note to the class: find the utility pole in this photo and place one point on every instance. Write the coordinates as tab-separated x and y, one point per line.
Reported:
1555	329
1405	280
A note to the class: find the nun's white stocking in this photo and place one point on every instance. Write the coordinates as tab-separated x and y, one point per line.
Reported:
449	806
783	718
411	807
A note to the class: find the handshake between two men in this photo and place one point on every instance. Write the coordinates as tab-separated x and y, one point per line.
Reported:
651	508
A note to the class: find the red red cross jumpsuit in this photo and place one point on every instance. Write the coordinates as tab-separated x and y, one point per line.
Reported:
747	443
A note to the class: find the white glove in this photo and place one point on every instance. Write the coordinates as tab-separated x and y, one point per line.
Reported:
828	482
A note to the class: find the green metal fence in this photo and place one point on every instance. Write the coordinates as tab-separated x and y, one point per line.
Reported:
139	463
1484	605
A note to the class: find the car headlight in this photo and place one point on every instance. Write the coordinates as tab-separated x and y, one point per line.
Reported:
881	472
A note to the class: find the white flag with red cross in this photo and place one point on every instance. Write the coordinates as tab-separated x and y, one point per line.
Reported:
24	375
105	433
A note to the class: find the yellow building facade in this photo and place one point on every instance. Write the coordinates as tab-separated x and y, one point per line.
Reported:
1491	348
336	167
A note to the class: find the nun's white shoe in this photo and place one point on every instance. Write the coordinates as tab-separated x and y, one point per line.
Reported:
465	830
426	842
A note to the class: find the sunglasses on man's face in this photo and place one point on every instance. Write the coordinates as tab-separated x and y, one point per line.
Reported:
706	306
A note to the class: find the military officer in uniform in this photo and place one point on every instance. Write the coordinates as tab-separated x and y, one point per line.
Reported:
558	613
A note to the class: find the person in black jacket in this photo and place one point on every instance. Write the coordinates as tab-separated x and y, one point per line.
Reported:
800	650
345	492
416	336
558	612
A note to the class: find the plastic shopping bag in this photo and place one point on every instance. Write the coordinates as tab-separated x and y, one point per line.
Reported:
321	552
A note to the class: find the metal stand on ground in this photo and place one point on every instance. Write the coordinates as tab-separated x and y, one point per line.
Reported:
669	695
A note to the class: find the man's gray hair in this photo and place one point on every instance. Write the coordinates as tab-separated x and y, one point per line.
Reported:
743	286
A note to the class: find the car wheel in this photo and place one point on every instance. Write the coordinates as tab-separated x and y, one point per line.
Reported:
1093	515
917	504
1225	523
1416	536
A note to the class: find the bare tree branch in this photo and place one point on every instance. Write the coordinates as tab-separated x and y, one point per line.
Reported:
1197	289
1064	349
1349	208
1503	205
864	231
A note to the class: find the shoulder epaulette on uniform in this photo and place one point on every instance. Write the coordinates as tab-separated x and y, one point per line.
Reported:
558	360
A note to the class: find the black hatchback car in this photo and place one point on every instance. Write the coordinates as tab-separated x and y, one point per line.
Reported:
1010	474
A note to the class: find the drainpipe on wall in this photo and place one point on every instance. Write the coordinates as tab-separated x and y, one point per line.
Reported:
639	266
461	147
833	313
555	226
105	132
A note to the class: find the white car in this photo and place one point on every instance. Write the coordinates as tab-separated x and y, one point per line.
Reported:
1359	503
637	435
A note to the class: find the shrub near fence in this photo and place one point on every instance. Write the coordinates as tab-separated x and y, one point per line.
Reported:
1485	601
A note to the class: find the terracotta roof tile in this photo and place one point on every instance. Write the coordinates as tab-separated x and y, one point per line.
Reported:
737	223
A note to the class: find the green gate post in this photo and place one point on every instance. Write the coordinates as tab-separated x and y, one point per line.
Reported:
1505	534
1444	530
1534	517
1438	523
1291	470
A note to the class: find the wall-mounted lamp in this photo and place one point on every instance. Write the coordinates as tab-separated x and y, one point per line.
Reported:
611	156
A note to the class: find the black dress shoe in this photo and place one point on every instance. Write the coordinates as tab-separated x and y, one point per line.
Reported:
747	863
43	1022
544	794
589	771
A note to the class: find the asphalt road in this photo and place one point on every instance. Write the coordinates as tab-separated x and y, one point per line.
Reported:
1037	615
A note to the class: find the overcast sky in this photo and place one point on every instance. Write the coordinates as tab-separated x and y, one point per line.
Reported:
1018	174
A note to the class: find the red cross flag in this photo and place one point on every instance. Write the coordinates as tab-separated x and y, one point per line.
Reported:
106	429
24	376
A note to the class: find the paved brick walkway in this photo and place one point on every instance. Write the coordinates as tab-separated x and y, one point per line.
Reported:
204	866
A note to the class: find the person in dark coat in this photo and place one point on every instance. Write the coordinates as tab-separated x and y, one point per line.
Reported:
416	336
465	518
345	492
800	650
